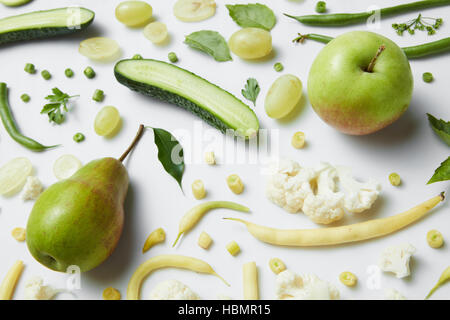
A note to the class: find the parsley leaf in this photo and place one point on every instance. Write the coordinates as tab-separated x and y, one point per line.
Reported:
442	173
53	109
441	128
251	90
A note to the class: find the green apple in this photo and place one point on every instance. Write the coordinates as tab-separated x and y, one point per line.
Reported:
353	97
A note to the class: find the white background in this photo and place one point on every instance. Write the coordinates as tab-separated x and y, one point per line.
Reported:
408	147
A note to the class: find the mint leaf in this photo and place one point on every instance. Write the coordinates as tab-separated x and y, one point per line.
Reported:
442	173
210	42
252	15
251	90
441	128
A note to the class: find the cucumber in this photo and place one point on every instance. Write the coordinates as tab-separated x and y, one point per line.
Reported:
14	3
178	86
44	24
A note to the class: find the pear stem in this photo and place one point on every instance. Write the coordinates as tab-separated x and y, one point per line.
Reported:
374	59
134	143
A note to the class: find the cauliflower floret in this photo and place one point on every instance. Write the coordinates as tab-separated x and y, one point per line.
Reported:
289	185
396	259
392	294
32	189
35	290
291	286
358	196
327	205
173	290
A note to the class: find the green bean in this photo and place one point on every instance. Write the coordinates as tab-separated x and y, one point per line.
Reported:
10	125
312	36
413	52
341	19
427	49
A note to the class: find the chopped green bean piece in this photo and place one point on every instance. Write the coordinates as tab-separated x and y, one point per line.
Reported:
172	57
98	96
276	265
349	279
46	75
29	67
435	239
78	137
25	97
321	7
233	248
137	57
394	179
89	73
278	67
427	77
68	72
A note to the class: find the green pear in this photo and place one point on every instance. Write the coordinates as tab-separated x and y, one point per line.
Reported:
78	221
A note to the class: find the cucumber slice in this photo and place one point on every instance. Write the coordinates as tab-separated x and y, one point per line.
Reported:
14	3
178	86
44	24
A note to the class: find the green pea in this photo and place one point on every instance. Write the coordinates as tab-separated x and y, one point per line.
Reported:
278	67
98	96
78	137
29	67
25	97
69	73
89	73
321	7
172	57
137	57
427	77
46	75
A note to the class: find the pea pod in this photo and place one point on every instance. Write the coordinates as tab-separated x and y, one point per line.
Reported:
412	52
342	19
11	127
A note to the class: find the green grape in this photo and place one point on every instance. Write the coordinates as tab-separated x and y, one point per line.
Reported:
156	32
134	13
251	43
107	121
283	96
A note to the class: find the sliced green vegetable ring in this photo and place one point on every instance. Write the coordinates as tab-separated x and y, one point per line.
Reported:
44	24
14	3
172	84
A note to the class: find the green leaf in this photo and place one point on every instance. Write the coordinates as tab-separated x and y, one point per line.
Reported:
53	109
251	90
442	173
441	128
170	154
252	15
210	42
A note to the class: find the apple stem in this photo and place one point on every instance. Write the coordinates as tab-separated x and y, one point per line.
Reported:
374	59
134	143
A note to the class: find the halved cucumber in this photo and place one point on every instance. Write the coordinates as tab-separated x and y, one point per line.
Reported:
44	24
175	85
